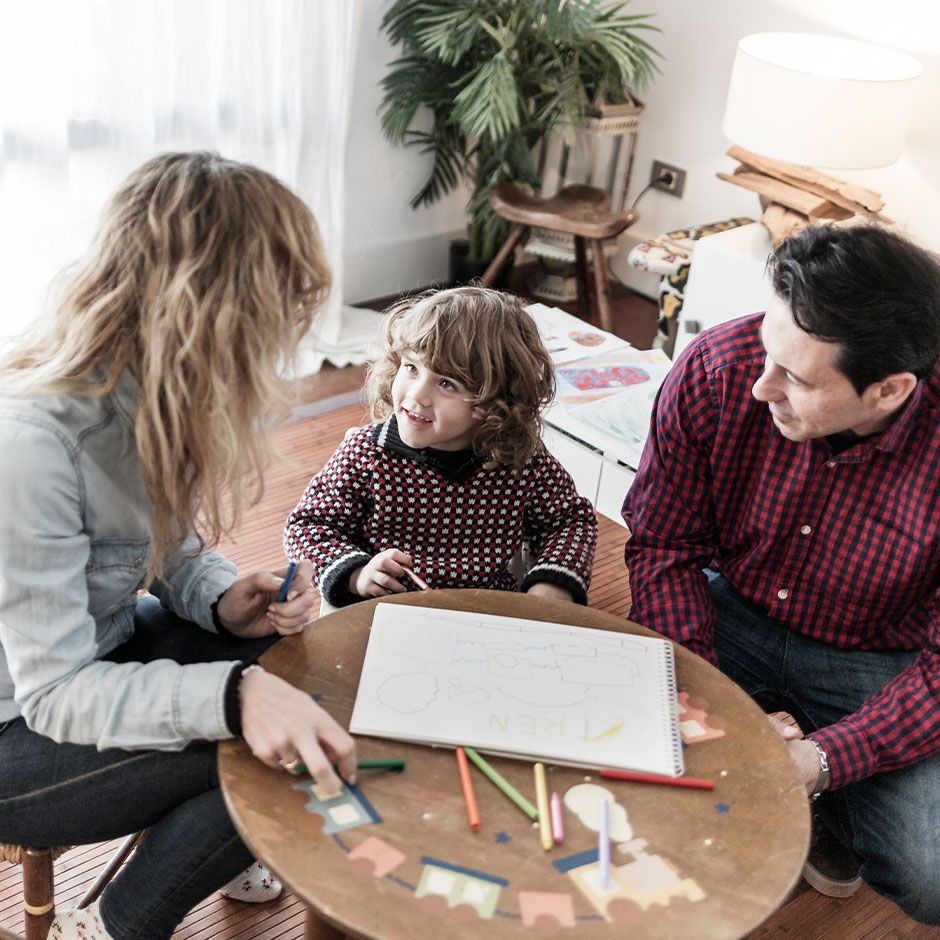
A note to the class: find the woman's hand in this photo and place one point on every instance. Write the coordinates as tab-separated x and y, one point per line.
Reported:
249	608
551	591
380	577
283	725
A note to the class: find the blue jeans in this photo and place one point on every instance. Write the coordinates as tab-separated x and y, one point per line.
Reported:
891	821
69	794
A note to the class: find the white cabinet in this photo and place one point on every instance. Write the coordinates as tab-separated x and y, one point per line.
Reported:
727	279
614	483
583	463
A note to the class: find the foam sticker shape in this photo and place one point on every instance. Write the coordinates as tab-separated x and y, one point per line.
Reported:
347	809
458	885
384	857
585	799
648	880
695	724
536	904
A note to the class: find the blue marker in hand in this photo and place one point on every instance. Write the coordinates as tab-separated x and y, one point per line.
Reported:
285	584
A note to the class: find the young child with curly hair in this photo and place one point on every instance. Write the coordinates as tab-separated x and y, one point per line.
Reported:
454	477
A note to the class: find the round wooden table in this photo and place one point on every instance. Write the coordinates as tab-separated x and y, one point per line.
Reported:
395	857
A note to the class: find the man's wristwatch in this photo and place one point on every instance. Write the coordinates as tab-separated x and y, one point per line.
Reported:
822	781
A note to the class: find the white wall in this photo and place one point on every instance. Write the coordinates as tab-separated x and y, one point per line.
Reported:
390	248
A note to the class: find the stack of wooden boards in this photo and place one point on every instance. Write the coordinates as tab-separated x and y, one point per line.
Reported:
794	196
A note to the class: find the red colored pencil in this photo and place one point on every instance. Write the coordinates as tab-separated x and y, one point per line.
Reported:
416	579
696	783
466	784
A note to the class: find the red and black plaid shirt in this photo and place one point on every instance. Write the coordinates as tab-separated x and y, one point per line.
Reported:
841	547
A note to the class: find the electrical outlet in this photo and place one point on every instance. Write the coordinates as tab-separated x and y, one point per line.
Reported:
668	178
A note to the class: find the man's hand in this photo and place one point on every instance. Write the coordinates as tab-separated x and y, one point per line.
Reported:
249	608
380	577
551	591
802	752
283	725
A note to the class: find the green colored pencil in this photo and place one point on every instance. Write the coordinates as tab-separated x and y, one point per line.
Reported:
391	763
501	783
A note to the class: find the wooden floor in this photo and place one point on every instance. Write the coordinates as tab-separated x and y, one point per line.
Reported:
305	446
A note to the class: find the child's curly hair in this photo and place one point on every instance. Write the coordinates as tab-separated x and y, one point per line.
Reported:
486	341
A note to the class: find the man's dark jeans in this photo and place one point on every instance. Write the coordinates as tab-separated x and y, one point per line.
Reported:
890	821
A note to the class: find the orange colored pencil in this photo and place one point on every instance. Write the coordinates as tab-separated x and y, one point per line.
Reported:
421	585
466	784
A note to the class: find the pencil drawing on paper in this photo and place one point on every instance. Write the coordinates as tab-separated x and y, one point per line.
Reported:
504	684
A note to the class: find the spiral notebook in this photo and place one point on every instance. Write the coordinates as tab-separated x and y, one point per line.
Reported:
522	688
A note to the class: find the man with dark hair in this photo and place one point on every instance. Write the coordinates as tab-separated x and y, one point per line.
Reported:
785	525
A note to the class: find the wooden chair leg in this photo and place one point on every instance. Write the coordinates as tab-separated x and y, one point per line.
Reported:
38	893
581	275
109	870
601	286
316	928
502	256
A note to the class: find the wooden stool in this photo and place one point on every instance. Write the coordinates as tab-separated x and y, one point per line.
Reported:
39	881
580	211
38	885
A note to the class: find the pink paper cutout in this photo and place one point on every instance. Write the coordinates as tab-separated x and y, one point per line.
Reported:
535	904
383	856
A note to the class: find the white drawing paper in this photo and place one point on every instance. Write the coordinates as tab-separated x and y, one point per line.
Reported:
565	694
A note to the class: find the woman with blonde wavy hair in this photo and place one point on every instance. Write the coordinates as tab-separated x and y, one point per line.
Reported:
135	425
454	477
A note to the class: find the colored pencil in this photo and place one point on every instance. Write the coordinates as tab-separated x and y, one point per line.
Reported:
385	763
416	579
285	584
603	845
501	783
466	784
541	798
558	819
391	763
695	783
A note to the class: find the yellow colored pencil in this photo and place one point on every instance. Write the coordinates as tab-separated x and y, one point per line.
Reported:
541	799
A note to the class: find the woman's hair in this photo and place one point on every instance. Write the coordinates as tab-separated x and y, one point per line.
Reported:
203	278
486	341
868	289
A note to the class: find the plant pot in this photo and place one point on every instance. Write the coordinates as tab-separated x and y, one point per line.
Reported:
463	269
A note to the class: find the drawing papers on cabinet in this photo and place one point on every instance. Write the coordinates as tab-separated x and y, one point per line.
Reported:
524	688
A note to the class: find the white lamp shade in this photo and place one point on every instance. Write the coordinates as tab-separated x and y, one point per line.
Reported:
821	101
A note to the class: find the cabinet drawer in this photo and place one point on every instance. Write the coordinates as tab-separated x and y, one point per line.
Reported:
612	487
583	463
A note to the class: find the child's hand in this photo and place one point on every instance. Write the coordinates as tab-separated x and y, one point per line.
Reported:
380	577
551	591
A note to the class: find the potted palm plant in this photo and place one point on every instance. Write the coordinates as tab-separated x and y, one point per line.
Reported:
480	83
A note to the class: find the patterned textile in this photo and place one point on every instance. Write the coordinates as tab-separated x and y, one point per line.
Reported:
670	255
842	547
461	523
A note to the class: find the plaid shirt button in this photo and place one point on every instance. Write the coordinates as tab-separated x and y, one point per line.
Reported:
805	529
783	594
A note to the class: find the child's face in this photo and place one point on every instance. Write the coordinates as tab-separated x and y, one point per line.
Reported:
432	410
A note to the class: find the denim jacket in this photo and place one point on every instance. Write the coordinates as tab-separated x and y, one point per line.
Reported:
75	533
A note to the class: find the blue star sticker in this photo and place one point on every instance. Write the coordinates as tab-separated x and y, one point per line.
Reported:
722	808
503	837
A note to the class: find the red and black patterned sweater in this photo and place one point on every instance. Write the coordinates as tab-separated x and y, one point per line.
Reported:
460	522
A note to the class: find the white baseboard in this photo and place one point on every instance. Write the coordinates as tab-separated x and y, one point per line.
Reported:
396	267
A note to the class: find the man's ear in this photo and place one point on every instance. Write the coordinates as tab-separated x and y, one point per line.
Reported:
892	391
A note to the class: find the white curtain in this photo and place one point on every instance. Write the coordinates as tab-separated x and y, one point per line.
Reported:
89	89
